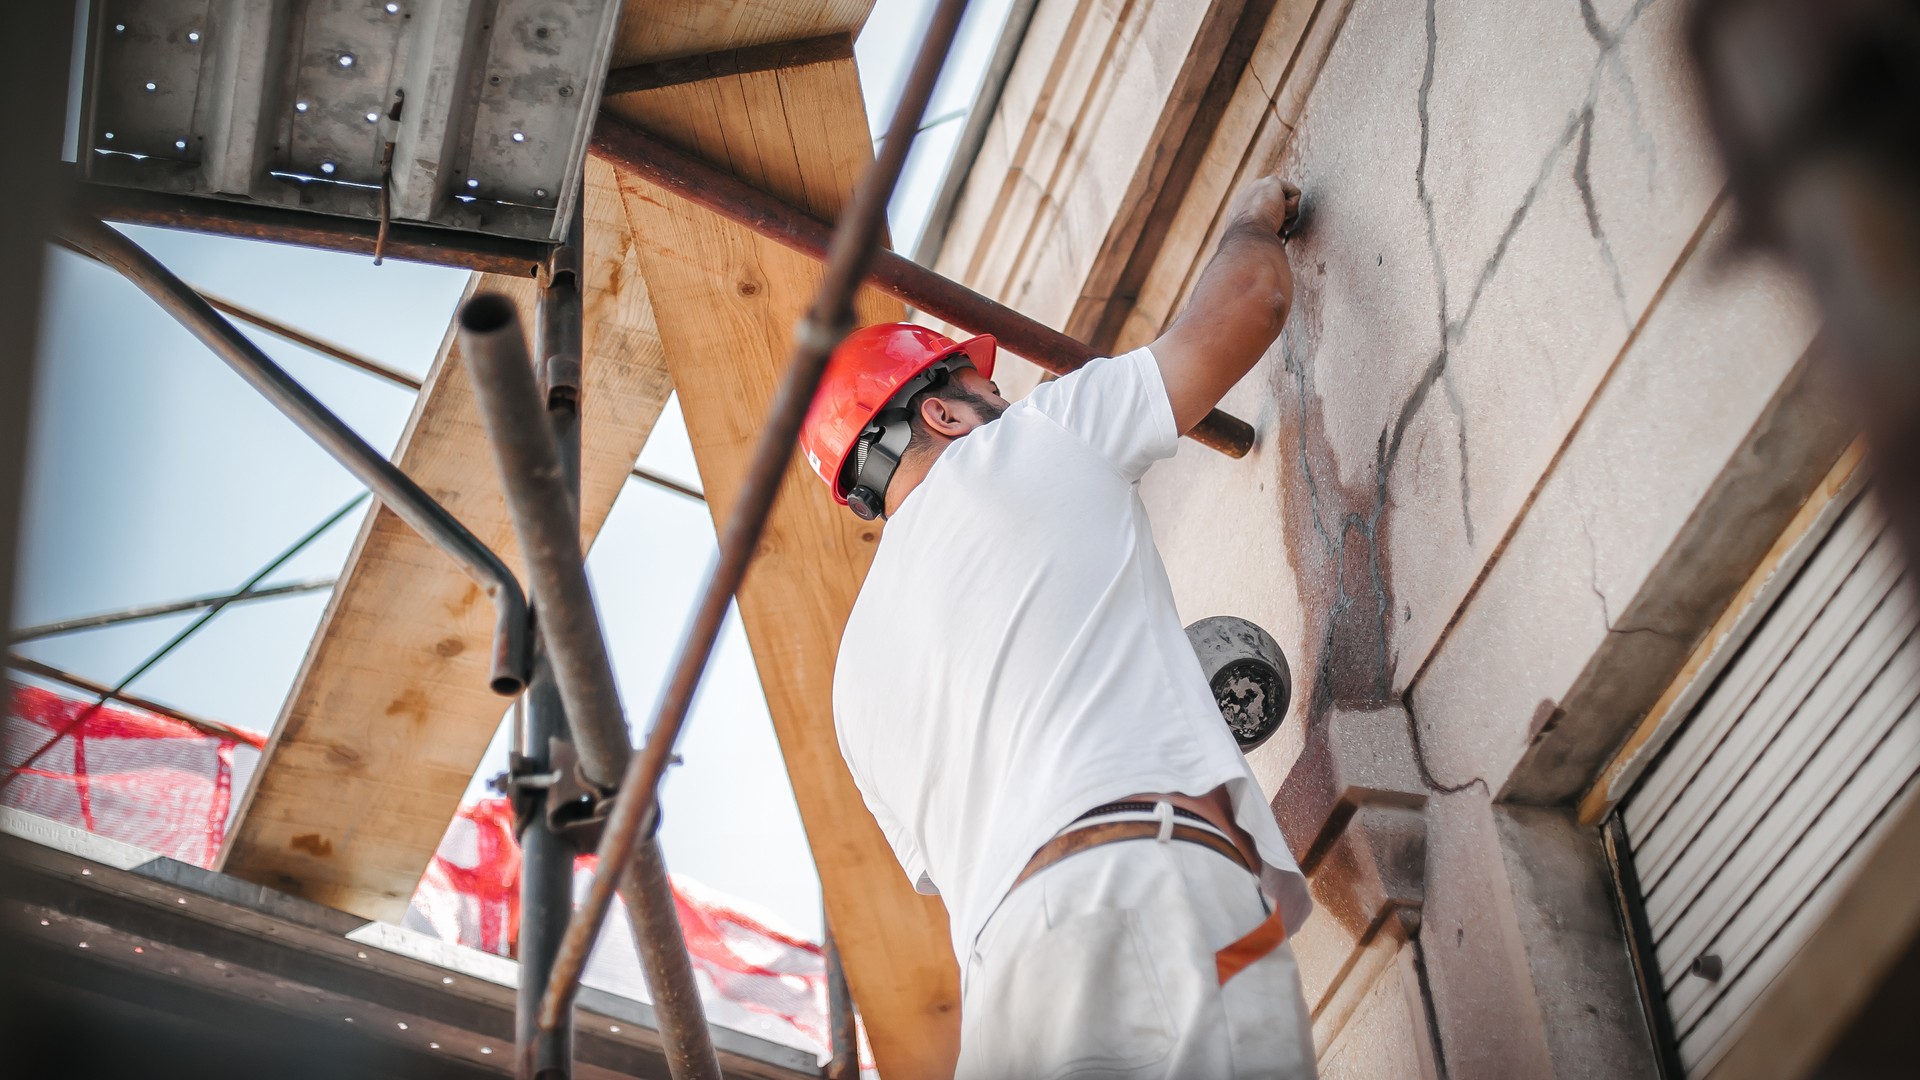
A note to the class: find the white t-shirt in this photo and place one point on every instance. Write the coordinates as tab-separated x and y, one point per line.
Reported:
1015	658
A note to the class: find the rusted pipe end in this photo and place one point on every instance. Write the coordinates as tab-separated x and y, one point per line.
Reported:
512	661
488	313
1230	435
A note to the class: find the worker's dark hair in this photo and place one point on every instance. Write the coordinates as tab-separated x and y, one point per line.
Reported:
946	388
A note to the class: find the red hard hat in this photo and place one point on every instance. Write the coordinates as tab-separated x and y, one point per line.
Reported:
864	373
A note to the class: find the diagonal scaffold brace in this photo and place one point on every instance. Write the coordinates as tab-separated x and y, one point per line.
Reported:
850	254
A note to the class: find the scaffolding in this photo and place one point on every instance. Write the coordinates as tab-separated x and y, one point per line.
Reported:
576	783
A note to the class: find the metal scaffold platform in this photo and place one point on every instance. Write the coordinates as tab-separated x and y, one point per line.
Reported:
462	114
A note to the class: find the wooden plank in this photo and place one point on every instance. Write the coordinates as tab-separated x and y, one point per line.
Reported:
727	301
660	73
1246	143
1107	118
664	29
390	713
1083	215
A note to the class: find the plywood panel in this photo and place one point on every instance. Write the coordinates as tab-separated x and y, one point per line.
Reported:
390	713
727	301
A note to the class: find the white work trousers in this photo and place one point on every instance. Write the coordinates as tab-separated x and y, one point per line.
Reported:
1102	965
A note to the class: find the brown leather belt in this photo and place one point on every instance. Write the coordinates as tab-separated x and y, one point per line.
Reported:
1229	961
1091	836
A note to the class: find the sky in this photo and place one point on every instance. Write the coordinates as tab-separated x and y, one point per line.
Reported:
156	474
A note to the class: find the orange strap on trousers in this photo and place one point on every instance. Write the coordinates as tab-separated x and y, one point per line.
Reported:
1228	962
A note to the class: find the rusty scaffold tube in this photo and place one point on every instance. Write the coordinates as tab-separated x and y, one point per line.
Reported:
849	254
574	656
653	160
512	657
546	522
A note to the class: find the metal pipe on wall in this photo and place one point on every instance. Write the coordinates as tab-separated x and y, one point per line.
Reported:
512	658
660	164
850	253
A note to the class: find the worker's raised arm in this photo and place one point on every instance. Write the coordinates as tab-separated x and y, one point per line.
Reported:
1238	306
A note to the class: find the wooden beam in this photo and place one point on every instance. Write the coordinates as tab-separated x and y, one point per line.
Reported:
727	300
1194	111
1247	141
1118	123
663	73
390	713
663	29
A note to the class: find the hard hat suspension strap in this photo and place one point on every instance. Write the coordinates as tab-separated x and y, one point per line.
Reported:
877	453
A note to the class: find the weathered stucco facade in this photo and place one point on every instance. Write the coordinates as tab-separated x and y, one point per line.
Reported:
1533	422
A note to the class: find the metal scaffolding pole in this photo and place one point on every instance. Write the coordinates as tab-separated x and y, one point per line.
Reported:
636	152
144	612
337	353
384	372
181	637
544	742
851	252
512	658
280	225
843	1033
546	520
108	693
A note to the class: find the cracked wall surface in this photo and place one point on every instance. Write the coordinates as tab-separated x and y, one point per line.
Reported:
1533	419
1499	191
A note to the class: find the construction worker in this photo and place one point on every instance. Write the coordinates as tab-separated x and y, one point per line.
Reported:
1018	703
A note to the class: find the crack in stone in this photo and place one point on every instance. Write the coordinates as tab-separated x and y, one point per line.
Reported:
1431	782
1437	367
1298	369
1583	183
1548	165
1451	328
1335	546
1593	562
1593	579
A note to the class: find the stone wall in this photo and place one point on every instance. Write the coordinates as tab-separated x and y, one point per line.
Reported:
1533	420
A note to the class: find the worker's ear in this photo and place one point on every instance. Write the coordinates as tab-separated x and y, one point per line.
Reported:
943	417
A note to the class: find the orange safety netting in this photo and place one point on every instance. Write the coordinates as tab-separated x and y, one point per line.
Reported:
752	977
168	787
148	780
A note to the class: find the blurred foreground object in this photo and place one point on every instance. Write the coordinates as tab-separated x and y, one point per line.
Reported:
1816	107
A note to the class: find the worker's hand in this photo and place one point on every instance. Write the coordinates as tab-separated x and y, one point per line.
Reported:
1269	204
1237	306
